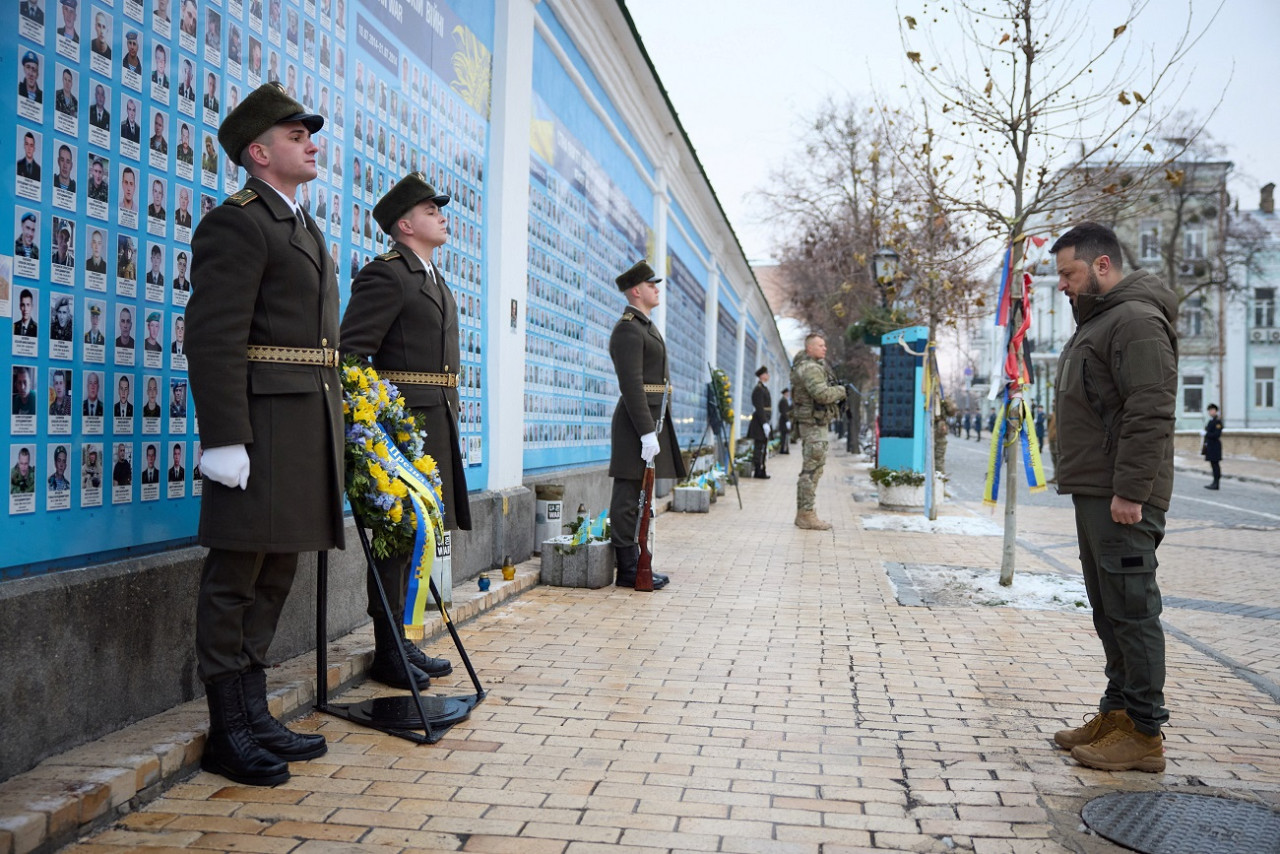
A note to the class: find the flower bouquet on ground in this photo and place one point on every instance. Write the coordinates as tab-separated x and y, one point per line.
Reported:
391	483
582	530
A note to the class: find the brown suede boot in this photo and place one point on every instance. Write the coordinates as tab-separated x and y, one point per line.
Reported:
809	520
1095	727
1123	749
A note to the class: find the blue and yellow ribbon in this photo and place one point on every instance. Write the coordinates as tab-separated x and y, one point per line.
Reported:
430	527
1028	446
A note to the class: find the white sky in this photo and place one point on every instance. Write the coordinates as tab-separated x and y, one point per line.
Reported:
744	74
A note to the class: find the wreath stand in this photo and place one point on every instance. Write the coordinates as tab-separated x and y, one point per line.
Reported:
423	720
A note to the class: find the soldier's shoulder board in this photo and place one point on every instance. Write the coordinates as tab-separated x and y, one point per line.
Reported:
389	256
242	197
627	316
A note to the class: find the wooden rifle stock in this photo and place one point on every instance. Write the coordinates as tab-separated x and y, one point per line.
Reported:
644	566
644	563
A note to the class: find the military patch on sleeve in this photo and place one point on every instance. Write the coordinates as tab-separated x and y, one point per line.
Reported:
389	256
241	198
628	316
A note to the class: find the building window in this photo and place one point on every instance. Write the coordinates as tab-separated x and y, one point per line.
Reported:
1264	388
1192	316
1149	240
1193	244
1193	394
1264	307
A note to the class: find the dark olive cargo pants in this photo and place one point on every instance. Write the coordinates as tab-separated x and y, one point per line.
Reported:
1119	563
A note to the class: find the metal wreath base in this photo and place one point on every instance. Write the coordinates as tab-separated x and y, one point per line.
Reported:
423	720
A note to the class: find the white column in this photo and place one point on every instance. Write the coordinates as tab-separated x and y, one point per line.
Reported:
661	212
711	307
508	238
743	390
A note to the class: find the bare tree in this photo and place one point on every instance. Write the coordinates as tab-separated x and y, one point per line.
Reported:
1033	95
844	198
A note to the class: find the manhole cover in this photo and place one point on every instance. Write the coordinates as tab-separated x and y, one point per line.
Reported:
1176	823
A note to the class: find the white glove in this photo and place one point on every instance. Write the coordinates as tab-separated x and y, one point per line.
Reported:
227	465
767	430
648	447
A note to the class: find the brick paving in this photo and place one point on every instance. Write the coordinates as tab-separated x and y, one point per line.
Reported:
775	698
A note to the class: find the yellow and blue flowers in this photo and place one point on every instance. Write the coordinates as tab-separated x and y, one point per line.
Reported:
377	488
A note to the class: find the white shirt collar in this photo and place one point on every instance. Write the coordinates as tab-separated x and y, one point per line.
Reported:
292	204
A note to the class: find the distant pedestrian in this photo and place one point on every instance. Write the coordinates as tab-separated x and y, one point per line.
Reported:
977	426
1211	448
1041	425
968	424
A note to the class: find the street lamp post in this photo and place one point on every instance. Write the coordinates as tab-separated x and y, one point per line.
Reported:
884	266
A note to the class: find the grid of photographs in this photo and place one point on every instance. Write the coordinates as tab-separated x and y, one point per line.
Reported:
115	143
727	348
685	298
582	232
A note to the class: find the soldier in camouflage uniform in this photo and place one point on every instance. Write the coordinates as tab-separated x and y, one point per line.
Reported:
817	397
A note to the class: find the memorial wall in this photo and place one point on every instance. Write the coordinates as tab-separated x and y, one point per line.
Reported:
116	105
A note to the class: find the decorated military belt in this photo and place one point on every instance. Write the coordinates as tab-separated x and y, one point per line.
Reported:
655	388
420	378
325	357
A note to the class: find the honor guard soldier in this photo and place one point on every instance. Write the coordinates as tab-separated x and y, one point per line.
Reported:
403	316
761	416
640	359
262	338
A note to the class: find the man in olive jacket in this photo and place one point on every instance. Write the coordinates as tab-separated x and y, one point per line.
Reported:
640	359
761	416
262	333
1116	390
403	316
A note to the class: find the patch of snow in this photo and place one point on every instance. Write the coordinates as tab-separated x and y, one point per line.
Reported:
968	526
1035	591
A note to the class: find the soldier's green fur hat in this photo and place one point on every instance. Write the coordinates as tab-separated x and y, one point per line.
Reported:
261	109
410	190
640	273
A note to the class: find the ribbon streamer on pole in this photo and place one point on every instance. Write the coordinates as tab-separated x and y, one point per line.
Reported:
1029	449
1016	376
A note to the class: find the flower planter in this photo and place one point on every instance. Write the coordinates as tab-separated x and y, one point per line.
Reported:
691	499
587	565
901	497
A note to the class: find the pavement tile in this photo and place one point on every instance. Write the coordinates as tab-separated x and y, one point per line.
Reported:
789	704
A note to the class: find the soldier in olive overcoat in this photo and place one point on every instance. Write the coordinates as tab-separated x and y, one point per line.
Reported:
640	359
759	428
262	337
404	317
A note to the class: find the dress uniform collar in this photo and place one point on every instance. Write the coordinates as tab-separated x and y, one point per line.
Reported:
636	314
280	208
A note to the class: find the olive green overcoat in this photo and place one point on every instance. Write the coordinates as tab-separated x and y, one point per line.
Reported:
405	321
640	358
261	277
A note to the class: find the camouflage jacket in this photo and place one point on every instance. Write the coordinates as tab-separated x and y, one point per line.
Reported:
815	390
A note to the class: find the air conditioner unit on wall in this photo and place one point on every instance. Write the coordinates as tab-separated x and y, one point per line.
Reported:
1258	335
1275	336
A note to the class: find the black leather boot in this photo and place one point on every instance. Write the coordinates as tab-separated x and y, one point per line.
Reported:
387	667
231	750
433	667
627	558
269	732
